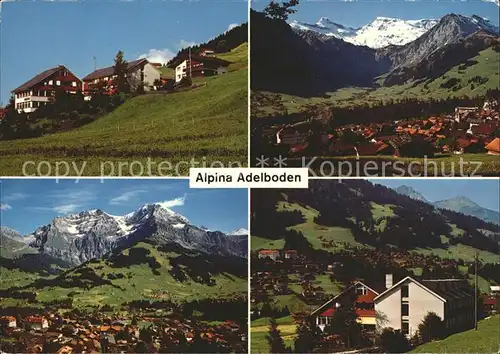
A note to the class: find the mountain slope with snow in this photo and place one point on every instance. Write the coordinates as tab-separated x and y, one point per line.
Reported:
384	31
77	238
381	32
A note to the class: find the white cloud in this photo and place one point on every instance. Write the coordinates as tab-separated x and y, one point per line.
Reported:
185	44
231	26
66	209
174	202
125	197
15	196
497	2
158	55
4	207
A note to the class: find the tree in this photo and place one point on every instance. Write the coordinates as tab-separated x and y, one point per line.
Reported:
276	343
308	337
344	322
134	321
222	47
120	70
392	341
281	11
431	328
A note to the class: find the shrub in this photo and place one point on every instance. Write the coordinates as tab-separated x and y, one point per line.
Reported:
392	341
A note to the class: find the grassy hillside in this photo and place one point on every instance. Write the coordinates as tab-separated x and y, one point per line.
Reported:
238	57
260	327
208	123
473	80
138	273
332	238
485	340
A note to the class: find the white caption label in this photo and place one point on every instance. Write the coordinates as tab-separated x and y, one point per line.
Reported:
248	178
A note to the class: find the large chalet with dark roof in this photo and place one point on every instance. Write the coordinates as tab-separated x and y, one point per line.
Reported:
139	72
41	89
198	65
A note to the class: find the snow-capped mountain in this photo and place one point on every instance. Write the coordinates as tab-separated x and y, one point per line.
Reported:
385	31
381	32
77	238
240	232
410	192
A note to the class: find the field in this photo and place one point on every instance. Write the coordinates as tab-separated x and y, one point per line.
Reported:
259	329
207	124
340	236
485	340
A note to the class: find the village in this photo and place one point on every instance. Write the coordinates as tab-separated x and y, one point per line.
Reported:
71	333
469	130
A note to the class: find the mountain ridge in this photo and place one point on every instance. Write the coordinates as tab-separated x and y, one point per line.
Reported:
91	234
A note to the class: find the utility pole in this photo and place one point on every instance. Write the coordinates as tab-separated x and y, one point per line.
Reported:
190	65
95	63
475	291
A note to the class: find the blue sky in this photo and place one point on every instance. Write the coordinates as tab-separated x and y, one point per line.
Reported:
29	203
484	192
39	35
358	13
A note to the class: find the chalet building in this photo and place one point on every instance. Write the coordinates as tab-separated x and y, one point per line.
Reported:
291	254
273	254
8	322
41	89
139	72
495	290
201	65
493	147
404	305
37	322
358	293
207	52
462	113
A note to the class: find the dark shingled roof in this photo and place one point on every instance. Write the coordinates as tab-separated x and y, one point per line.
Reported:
201	59
38	78
110	70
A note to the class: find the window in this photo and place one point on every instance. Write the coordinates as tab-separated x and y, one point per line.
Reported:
51	82
58	83
360	289
404	291
404	309
405	327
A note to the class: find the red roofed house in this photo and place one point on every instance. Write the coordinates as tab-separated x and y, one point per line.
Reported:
201	65
493	147
8	321
40	90
139	72
3	113
273	254
291	254
361	295
36	322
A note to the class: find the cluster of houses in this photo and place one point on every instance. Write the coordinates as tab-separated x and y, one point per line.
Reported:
40	90
276	255
77	335
469	130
